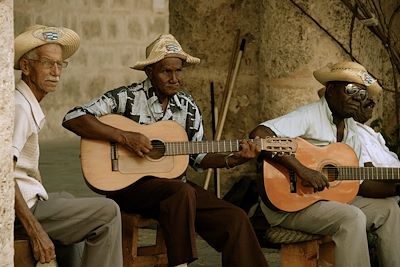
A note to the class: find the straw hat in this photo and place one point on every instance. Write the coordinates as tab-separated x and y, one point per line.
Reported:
349	72
38	35
164	46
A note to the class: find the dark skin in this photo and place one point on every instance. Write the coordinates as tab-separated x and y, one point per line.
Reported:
166	78
342	106
377	189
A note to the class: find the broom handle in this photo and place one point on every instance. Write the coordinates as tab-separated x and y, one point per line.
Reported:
221	122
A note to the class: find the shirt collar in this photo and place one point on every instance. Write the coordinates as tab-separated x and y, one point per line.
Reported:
37	111
350	124
327	109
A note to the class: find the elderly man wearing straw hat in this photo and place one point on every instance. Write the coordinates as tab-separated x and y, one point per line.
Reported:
327	121
40	54
182	208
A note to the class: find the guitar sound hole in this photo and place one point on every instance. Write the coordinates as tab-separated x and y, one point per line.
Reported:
331	172
158	150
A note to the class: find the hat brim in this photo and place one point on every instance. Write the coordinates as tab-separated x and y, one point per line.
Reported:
26	41
187	60
325	75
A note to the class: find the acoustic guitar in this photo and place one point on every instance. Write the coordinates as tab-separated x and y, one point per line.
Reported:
338	162
111	167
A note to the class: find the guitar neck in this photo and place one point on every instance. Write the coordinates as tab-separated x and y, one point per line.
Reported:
186	148
367	173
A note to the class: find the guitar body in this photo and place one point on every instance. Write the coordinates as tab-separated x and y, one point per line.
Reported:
102	174
277	181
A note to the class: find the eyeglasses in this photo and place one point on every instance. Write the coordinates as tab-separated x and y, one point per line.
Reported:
48	63
352	89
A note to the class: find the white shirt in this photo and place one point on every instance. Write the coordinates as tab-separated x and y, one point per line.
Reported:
28	121
374	148
314	123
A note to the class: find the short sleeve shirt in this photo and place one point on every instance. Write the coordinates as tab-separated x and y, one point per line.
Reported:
139	102
314	123
28	121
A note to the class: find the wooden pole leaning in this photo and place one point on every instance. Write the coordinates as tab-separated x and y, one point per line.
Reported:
222	117
222	102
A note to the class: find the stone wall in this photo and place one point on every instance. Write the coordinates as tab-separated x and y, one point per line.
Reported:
283	47
6	126
113	35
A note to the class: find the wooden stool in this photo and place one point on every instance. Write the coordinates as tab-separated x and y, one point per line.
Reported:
23	256
135	256
300	249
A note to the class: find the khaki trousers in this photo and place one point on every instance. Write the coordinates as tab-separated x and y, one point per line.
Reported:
347	224
95	220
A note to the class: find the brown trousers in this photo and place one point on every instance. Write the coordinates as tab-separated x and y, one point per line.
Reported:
184	209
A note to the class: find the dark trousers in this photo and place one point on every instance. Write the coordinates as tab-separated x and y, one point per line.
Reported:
184	209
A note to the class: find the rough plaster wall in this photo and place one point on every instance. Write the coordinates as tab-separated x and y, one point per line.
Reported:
6	126
114	34
285	48
207	29
304	47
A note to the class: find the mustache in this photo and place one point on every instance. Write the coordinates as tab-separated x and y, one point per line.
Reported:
53	78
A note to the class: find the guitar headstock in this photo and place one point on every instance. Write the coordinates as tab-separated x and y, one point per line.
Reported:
279	146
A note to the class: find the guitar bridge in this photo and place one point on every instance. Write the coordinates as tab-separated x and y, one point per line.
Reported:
292	181
114	157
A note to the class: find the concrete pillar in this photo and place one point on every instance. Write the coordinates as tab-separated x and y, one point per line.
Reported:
6	128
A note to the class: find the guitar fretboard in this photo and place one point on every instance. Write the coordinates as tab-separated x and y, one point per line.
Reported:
185	148
367	173
273	144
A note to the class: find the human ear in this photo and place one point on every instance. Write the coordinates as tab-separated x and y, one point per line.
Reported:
24	66
148	70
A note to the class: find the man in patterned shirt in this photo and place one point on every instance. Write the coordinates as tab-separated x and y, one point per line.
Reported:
182	208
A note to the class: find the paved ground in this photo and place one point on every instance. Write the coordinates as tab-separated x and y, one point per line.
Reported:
60	169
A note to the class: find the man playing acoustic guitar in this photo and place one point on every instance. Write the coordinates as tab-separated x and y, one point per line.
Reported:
181	207
324	123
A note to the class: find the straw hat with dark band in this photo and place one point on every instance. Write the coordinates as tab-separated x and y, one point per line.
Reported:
348	71
164	46
38	35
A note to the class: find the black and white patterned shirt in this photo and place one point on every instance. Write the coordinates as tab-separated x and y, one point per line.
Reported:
140	103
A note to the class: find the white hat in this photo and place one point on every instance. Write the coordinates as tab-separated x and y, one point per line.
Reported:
38	35
164	46
348	71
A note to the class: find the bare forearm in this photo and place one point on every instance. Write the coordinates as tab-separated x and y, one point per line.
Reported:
247	151
24	214
42	246
213	161
287	161
90	127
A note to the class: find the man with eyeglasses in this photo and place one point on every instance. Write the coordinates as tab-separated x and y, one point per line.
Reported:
327	121
53	218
